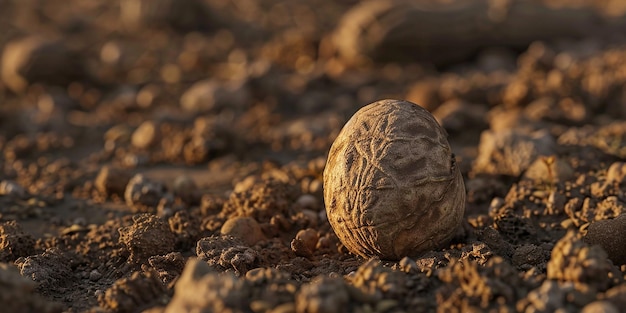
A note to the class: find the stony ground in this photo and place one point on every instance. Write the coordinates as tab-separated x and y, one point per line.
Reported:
167	156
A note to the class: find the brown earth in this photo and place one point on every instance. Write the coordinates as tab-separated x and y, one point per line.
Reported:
167	156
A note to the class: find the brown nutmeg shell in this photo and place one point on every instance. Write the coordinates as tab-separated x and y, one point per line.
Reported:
391	184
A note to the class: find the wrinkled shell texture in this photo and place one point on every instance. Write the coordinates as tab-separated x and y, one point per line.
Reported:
391	185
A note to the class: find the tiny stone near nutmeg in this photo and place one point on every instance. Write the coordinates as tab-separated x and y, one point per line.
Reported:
247	229
391	185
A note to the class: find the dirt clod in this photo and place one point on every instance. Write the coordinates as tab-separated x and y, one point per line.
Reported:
609	234
262	200
225	252
17	293
328	295
574	261
212	291
148	236
50	268
14	242
137	292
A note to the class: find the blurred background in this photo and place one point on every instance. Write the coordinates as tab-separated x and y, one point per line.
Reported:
188	82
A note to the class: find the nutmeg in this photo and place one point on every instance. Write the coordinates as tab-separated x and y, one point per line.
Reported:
391	185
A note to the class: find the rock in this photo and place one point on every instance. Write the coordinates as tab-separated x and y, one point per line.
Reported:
112	181
37	60
145	136
305	242
245	228
143	194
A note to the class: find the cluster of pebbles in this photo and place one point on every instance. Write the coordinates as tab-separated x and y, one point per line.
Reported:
168	156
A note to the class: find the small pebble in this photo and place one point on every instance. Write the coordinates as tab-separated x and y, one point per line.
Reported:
305	242
245	228
145	135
